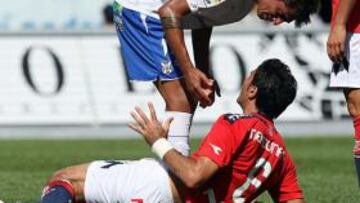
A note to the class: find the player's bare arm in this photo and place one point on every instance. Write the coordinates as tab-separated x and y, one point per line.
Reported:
197	82
191	171
336	40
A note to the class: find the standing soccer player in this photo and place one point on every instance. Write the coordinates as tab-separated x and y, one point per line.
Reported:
343	48
153	48
241	157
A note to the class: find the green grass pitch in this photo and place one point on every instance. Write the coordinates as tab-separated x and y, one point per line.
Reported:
325	165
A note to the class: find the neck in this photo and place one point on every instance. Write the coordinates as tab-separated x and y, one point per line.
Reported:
248	109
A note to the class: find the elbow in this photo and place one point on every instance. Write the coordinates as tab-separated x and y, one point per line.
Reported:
174	8
193	180
166	10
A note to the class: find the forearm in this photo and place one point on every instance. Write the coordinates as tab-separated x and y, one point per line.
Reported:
343	12
175	39
170	14
201	42
185	168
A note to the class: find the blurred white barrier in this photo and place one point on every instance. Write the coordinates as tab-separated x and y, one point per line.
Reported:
34	15
79	79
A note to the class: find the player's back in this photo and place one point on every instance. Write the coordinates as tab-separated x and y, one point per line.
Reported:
252	158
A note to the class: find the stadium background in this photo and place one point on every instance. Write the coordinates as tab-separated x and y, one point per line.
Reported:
65	97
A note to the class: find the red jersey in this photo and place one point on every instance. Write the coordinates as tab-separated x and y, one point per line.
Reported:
251	157
353	24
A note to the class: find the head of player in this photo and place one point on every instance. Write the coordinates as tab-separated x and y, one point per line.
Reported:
279	11
269	89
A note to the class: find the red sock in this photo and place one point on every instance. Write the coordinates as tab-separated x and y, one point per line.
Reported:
357	135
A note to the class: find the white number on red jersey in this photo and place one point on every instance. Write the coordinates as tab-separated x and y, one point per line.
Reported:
251	180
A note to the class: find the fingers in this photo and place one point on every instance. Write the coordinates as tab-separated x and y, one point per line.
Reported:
141	119
203	95
206	82
329	50
336	52
141	113
202	87
136	128
149	129
152	111
205	90
137	118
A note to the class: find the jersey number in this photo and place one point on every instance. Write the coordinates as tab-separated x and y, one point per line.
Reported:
252	179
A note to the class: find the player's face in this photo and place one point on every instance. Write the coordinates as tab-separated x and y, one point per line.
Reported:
243	97
275	11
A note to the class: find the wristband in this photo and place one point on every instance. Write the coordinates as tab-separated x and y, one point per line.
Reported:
161	146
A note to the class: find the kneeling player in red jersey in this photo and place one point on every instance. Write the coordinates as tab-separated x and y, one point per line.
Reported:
242	156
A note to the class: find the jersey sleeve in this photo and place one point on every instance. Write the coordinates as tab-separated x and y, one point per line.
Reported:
194	5
209	13
288	187
220	143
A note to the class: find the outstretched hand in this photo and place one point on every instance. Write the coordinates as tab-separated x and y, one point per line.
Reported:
150	128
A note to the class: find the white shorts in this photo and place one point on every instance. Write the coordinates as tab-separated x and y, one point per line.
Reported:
139	181
349	78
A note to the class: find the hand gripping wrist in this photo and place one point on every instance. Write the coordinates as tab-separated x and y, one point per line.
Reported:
161	146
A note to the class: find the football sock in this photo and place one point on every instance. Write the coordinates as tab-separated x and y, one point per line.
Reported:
357	146
179	131
58	192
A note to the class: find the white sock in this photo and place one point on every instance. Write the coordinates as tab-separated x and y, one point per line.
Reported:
179	131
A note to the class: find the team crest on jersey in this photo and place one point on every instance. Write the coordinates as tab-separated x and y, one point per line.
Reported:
119	24
166	67
232	118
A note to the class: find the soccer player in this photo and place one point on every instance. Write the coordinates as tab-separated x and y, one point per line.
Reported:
153	48
343	48
242	156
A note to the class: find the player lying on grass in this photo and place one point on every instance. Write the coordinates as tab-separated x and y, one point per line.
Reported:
242	156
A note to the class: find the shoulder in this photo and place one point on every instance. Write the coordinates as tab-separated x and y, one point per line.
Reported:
234	117
211	13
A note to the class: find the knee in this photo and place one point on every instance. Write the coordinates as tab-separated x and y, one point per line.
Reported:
353	111
353	103
180	103
61	175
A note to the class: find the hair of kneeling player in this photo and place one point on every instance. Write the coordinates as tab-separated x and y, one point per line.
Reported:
276	87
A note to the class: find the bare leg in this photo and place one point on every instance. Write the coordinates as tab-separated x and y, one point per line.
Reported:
176	97
353	104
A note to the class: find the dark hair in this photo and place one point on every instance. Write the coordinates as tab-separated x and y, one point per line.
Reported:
276	87
304	8
108	14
